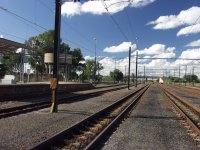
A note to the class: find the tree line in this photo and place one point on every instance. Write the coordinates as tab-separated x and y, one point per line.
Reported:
44	43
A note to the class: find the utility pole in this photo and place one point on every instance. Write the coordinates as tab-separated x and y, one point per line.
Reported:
125	72
54	80
193	76
179	74
144	74
129	65
136	69
185	74
95	60
65	67
174	76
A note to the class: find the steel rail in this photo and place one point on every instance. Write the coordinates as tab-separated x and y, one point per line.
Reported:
175	101
83	127
185	102
8	112
195	91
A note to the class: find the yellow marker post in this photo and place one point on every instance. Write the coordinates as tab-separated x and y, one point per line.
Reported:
53	86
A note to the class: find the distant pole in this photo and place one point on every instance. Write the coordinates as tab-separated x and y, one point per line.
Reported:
136	69
174	75
54	80
179	74
193	76
144	74
95	59
129	65
125	70
115	63
185	74
65	67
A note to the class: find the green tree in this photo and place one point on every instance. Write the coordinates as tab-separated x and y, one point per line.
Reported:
76	58
43	43
2	70
12	62
88	70
117	75
191	78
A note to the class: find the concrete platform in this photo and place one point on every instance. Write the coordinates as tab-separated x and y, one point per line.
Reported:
37	88
152	125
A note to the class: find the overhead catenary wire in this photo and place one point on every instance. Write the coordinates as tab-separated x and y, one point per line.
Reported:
22	18
67	24
115	22
130	24
12	35
30	23
194	24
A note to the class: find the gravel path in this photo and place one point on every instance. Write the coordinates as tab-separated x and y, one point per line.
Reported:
151	126
23	131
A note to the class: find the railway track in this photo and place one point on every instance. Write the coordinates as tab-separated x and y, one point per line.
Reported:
188	112
91	132
192	91
8	112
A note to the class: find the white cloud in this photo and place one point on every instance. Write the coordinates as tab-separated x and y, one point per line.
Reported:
123	47
194	43
185	17
193	29
157	49
110	64
1	36
189	18
88	57
70	9
189	53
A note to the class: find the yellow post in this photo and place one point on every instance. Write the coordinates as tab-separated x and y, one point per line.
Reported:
53	86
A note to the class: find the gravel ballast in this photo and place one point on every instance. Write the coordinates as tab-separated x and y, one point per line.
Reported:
23	131
152	125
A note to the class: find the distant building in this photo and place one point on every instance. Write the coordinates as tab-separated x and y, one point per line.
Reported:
161	80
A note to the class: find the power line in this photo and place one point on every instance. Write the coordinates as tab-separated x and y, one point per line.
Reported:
25	21
67	24
171	58
75	43
194	24
118	3
115	22
22	18
129	23
12	35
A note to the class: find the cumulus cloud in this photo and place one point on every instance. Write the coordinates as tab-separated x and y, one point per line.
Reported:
70	9
109	64
189	53
189	18
123	47
88	57
161	66
157	49
1	36
193	29
194	43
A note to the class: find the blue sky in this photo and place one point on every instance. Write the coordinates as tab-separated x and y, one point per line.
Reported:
82	22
